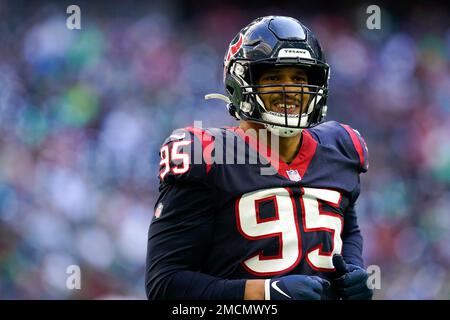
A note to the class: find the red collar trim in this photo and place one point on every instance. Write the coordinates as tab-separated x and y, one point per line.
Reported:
301	161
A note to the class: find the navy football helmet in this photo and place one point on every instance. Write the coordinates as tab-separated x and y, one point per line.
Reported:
276	41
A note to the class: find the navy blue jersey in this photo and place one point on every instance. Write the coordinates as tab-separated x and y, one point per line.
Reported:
231	210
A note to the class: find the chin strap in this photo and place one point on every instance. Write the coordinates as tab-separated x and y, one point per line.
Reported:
231	108
217	96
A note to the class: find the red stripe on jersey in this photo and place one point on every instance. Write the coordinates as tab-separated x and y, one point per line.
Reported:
356	143
253	142
304	156
301	161
207	144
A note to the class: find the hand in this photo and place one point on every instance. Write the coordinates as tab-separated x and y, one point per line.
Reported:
350	281
296	287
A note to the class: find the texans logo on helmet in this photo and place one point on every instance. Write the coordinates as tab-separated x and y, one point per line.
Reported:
234	48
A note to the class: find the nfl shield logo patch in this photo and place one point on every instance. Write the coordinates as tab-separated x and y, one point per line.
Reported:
293	175
158	210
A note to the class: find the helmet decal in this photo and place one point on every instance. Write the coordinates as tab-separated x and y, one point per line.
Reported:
294	53
234	48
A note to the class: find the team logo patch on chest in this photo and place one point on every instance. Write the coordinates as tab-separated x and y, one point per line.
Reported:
293	175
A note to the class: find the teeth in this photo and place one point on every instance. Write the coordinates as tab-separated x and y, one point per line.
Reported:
287	106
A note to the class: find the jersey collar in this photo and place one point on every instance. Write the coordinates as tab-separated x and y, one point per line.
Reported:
301	161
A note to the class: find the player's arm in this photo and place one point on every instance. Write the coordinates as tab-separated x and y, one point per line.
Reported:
178	242
254	289
181	231
352	240
352	145
351	281
350	278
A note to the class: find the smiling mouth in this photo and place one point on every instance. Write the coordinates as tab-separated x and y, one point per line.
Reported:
289	108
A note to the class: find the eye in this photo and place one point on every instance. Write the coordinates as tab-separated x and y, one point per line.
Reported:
271	78
300	79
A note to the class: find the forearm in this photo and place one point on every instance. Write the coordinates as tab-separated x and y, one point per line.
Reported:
352	239
193	286
254	289
352	248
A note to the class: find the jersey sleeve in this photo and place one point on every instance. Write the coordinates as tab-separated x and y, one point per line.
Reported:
352	147
179	238
186	156
181	230
352	239
355	145
348	142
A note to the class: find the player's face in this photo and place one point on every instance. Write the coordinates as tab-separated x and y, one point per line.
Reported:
296	102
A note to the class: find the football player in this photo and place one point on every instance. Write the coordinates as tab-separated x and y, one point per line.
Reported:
227	231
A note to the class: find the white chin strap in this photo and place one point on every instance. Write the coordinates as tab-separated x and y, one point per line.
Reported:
283	132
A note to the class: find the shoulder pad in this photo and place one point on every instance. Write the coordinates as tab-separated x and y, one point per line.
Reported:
348	141
359	145
186	155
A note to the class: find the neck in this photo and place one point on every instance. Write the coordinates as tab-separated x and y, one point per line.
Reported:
288	147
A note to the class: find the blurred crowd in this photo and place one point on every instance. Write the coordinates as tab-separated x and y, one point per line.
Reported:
84	112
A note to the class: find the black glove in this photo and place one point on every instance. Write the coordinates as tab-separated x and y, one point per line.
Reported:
351	280
296	287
